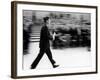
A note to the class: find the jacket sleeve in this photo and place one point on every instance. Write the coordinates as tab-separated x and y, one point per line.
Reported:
47	34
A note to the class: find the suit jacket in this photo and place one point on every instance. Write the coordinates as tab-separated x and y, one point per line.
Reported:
45	37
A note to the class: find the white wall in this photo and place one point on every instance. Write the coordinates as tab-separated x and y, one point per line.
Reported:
5	40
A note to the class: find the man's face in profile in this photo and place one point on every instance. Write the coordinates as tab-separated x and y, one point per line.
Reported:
48	23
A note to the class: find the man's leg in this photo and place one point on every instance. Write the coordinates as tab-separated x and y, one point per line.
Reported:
36	61
49	54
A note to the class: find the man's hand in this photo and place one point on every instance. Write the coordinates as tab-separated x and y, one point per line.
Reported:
54	34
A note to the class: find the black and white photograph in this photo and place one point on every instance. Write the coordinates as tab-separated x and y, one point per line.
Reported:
53	40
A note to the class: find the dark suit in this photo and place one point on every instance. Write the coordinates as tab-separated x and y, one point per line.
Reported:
44	46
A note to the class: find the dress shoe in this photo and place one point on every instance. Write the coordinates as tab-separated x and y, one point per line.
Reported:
54	66
32	67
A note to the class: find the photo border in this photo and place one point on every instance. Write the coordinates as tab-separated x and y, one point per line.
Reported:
14	37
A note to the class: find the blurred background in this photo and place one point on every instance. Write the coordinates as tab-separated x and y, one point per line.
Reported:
72	29
71	46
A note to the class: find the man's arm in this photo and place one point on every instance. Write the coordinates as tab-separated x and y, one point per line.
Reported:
45	34
50	37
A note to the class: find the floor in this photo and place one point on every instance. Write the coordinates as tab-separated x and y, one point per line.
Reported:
68	57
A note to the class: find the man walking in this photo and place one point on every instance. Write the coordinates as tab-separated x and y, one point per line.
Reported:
44	45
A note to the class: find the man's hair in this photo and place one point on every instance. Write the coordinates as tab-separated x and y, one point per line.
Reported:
45	19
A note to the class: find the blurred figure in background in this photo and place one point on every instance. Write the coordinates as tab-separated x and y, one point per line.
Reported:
26	38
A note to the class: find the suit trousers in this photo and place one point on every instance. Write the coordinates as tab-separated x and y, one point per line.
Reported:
40	55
